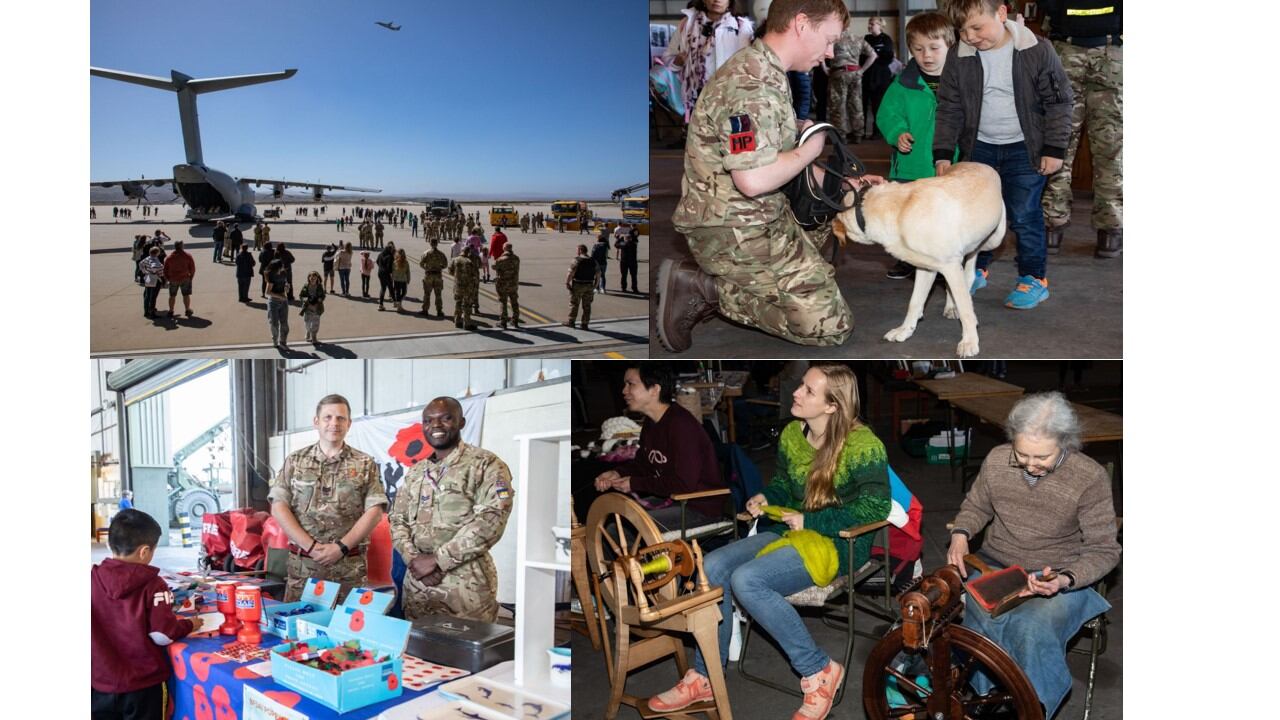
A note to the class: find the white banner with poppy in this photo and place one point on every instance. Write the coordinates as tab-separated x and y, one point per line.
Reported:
396	441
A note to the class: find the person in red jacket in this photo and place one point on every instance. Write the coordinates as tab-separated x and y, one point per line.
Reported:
179	269
496	243
132	622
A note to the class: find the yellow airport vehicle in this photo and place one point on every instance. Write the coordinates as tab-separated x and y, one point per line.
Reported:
567	211
635	212
503	216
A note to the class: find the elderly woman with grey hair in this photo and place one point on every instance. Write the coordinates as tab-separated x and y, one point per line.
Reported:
1047	508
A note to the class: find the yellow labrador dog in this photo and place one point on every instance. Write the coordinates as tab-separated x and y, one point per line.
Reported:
937	224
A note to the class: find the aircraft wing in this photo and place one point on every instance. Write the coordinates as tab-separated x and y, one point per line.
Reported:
144	182
310	186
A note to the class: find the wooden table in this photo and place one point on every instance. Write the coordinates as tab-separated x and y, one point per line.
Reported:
961	387
1097	426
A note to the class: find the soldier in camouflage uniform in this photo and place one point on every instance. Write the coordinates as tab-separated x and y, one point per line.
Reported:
433	264
507	267
845	83
328	497
450	510
752	262
524	223
1086	34
581	282
465	270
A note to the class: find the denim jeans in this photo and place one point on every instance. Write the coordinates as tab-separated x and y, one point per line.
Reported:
278	320
1021	184
761	586
344	277
801	93
1035	634
217	250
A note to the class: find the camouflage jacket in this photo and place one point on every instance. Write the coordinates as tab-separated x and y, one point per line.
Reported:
849	50
508	269
433	262
465	272
328	495
742	120
457	508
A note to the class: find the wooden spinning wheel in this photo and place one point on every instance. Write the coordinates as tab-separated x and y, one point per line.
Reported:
927	662
646	588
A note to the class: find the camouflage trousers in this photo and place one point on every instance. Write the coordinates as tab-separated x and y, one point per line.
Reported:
1097	81
349	571
463	301
845	110
581	294
433	283
772	277
469	591
510	297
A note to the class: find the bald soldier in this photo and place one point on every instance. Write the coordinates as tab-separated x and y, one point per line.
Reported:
328	497
451	509
752	262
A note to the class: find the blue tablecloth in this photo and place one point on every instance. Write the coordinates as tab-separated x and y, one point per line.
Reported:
205	686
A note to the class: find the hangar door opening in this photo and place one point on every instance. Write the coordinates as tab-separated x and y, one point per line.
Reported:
180	447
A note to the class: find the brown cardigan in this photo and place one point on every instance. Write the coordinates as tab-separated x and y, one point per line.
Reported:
1066	521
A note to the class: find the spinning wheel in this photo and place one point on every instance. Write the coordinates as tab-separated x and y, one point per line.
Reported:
927	661
647	588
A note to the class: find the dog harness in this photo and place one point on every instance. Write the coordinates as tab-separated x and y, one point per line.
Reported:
815	203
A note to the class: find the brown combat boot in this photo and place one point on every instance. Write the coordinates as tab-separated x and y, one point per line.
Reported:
1053	237
1109	242
686	297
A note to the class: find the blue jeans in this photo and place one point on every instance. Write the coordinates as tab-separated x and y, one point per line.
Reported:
801	93
217	250
278	320
1035	634
761	586
1021	184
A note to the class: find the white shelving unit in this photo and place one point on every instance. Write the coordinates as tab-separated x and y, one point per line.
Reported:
537	506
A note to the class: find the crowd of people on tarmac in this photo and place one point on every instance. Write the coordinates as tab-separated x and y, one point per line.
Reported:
471	259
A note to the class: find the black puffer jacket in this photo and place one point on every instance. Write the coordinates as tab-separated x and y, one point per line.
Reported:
1041	93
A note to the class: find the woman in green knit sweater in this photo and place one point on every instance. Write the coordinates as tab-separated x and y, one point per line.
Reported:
832	474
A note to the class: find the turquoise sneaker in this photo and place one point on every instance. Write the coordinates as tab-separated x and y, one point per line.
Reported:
979	281
1028	293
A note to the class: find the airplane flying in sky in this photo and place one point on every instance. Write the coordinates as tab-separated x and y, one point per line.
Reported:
210	194
388	25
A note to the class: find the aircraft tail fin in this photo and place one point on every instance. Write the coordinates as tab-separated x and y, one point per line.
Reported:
187	88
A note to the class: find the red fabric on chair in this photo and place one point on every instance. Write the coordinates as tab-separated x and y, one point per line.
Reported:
378	559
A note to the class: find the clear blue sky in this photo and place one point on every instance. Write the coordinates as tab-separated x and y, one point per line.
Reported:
505	96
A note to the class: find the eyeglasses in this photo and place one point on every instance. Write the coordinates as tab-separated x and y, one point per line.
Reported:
1015	463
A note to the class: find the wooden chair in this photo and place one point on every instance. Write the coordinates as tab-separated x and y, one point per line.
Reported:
649	617
723	526
839	613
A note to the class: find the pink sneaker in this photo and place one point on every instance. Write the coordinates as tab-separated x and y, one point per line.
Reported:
820	692
692	688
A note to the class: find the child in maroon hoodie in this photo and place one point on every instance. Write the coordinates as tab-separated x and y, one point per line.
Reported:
133	621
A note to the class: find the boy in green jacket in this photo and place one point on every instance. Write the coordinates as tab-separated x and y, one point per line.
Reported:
909	106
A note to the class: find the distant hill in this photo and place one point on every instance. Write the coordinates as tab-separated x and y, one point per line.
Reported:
164	195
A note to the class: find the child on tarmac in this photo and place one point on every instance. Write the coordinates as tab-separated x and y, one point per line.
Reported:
132	622
909	107
1006	101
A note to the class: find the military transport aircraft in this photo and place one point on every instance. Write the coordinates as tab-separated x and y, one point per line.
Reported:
388	25
210	194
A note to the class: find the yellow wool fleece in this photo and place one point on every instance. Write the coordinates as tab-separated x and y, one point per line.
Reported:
817	551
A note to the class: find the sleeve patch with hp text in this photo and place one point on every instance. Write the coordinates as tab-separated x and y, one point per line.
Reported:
742	137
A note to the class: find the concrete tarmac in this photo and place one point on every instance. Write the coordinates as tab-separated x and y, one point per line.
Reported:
1081	319
351	326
